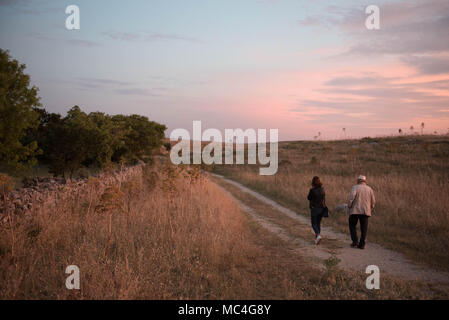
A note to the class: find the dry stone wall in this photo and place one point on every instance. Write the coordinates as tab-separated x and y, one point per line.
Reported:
38	192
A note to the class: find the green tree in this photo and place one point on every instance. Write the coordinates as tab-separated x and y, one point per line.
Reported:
70	142
137	137
18	104
57	144
102	139
95	139
42	133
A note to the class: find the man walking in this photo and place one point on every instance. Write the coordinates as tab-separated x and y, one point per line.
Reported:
361	203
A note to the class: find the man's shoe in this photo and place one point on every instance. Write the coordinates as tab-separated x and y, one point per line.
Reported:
354	244
361	246
317	240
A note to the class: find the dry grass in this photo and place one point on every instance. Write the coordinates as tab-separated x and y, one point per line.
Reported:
160	235
167	233
410	176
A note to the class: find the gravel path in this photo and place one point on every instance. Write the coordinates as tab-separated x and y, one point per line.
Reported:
388	261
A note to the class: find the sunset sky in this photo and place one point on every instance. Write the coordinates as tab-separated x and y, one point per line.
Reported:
300	66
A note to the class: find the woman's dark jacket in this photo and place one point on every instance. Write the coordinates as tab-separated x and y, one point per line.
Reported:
317	198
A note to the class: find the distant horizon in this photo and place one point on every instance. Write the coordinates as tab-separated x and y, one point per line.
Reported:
298	66
338	139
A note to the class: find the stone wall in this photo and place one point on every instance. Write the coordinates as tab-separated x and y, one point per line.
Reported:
38	192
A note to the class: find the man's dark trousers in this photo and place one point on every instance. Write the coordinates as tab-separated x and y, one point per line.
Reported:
353	218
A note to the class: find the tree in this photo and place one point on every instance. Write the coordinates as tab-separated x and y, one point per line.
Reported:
137	137
67	143
103	140
42	133
78	140
60	149
18	105
95	139
422	128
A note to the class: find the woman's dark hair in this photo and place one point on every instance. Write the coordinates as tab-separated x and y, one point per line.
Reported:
316	182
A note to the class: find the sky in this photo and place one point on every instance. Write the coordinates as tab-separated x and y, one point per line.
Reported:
307	68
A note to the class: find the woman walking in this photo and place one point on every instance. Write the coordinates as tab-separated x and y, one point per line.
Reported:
317	201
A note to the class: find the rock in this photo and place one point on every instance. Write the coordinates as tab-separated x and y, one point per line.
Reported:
38	192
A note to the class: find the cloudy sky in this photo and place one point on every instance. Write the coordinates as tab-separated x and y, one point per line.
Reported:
300	66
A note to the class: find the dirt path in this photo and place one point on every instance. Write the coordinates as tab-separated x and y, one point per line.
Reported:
388	261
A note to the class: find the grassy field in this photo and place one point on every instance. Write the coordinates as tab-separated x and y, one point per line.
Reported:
168	233
409	174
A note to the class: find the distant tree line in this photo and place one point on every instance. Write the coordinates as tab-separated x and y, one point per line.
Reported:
28	133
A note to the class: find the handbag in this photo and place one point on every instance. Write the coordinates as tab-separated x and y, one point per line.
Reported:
325	212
